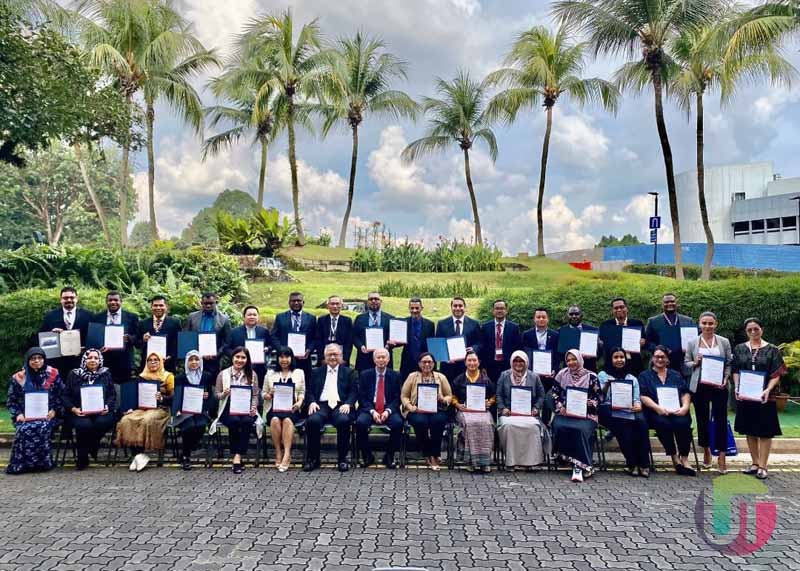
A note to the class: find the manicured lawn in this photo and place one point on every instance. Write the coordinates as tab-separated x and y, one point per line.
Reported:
5	421
318	253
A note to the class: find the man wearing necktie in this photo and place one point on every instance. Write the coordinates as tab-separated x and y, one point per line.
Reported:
66	317
160	324
334	328
250	330
501	337
374	318
118	361
332	397
379	405
418	330
297	322
459	325
210	320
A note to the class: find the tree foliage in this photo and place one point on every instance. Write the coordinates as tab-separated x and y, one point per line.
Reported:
611	240
202	229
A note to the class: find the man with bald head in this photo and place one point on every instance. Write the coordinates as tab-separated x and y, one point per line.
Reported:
379	404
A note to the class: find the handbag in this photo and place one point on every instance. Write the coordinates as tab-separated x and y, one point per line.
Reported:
731	449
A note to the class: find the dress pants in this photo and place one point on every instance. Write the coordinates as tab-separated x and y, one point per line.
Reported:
342	422
364	422
429	428
89	431
717	400
671	429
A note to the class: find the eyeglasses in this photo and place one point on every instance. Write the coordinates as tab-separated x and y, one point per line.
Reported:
426	362
659	357
753	329
574	313
373	299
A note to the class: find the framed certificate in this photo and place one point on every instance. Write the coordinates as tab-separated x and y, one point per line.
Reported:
92	400
147	391
207	344
374	338
577	402
456	348
588	344
239	400
192	400
157	344
114	337
256	349
631	339
398	331
621	395
297	343
668	398
283	398
521	401
712	370
542	362
37	405
476	397
427	400
751	384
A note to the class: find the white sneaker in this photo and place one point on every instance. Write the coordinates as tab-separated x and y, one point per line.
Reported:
141	461
577	475
134	464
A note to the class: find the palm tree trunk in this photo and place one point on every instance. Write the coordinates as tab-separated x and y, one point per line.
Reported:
667	152
124	181
351	189
101	214
301	239
701	192
151	169
475	215
262	172
542	177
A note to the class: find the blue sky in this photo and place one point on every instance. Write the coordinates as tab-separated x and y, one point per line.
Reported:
600	170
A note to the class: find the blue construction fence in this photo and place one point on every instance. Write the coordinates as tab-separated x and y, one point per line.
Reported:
747	256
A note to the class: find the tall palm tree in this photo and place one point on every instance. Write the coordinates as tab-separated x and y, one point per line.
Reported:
643	29
358	83
542	67
705	62
458	117
291	71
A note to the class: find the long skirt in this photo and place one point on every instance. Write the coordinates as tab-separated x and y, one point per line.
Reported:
143	429
574	439
31	449
476	437
521	440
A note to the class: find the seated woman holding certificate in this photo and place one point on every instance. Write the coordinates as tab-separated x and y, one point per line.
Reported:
665	398
473	398
576	394
621	412
34	402
425	398
757	369
192	417
284	392
237	392
91	400
142	428
520	397
707	362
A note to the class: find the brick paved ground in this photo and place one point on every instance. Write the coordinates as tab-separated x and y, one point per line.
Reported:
108	518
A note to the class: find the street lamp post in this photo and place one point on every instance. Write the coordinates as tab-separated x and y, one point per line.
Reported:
797	198
655	243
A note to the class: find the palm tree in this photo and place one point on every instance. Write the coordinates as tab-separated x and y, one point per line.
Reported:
543	66
357	83
458	117
642	28
290	72
705	62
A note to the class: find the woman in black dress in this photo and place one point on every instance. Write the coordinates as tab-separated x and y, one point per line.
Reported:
758	420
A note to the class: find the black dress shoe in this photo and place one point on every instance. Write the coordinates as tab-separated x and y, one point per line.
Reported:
682	470
344	466
186	463
389	462
368	461
238	468
310	466
82	464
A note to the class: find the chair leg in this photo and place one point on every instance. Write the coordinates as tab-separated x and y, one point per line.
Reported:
696	459
208	445
354	452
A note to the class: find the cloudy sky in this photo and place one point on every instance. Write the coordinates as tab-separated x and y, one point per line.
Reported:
600	170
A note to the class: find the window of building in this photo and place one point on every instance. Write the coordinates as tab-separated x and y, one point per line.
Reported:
789	222
757	226
773	224
741	227
738	196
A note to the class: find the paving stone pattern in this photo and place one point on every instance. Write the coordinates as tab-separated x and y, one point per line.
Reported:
109	518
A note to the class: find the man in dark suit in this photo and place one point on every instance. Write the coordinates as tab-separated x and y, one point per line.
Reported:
334	328
379	404
67	317
569	337
251	331
418	329
374	317
665	329
459	325
160	324
119	361
611	336
332	397
210	320
541	338
499	339
295	320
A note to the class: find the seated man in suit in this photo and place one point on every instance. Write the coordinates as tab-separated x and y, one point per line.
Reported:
119	361
374	317
418	330
379	404
332	399
295	320
458	325
251	331
500	337
67	317
210	320
160	324
334	328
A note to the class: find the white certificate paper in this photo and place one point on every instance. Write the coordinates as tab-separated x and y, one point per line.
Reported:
621	396
283	399
37	405
374	338
147	395
92	399
426	398
577	403
239	400
192	400
157	344
456	348
543	363
256	349
687	334
588	346
668	398
48	341
114	337
751	385
520	401
297	343
712	371
398	331
70	340
631	339
476	398
207	344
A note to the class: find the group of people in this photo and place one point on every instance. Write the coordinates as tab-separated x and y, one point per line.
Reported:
540	390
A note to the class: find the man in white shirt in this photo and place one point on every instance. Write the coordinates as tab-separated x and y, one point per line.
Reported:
68	317
459	325
118	361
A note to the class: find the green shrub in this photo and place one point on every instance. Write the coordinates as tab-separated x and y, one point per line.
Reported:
446	256
790	383
692	272
263	232
461	288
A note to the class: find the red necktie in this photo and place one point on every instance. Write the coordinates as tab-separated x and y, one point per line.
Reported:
498	342
380	397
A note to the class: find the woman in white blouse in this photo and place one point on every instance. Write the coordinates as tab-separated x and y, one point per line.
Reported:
281	421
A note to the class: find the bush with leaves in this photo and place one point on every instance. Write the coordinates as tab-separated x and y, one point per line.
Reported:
457	288
263	233
446	256
692	272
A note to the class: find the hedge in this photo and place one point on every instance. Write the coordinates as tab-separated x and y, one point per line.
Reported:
693	271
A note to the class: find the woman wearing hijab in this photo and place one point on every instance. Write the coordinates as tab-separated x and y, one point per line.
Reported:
476	436
90	427
520	436
193	426
574	433
143	429
281	423
31	449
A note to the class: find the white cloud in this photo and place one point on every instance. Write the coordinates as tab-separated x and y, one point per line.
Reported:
578	142
639	210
